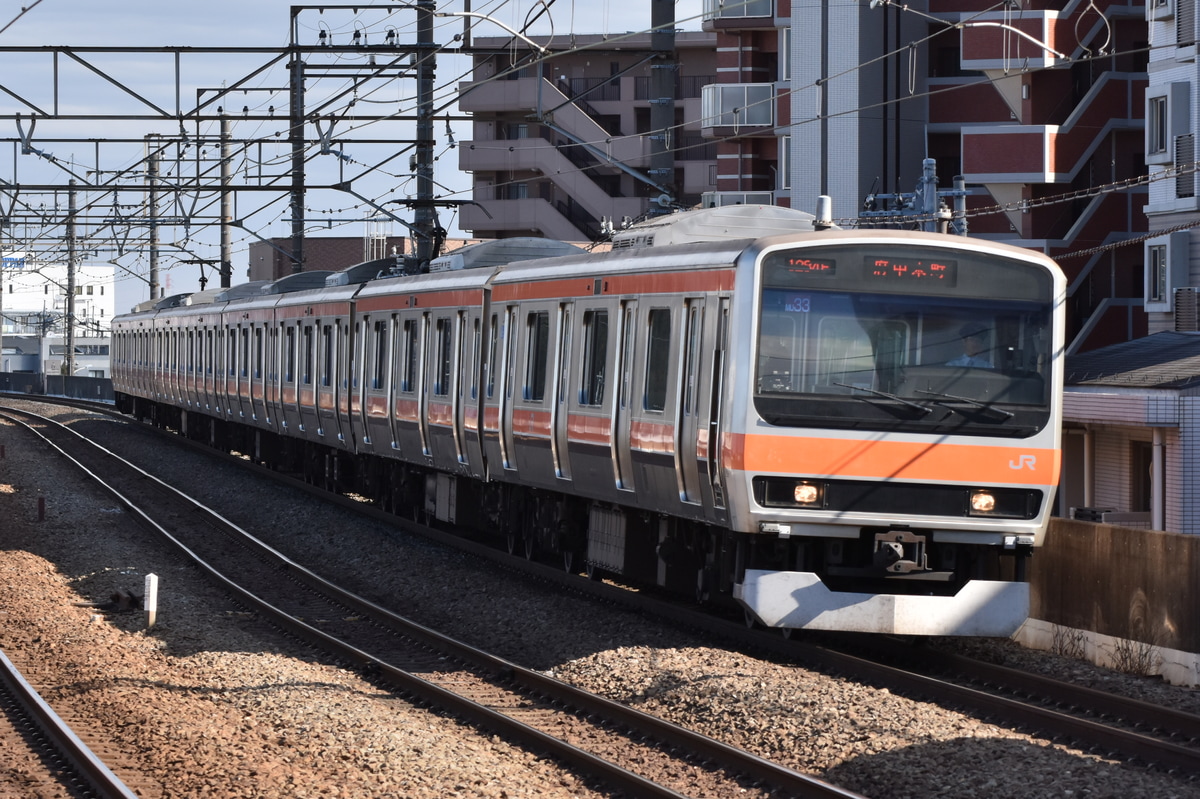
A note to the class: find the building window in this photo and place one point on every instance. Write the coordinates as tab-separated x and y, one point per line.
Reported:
1166	269
1156	264
1156	126
784	178
737	104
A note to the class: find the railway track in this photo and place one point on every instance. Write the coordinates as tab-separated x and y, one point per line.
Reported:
43	748
626	749
1112	725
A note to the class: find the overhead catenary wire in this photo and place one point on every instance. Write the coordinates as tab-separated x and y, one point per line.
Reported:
447	92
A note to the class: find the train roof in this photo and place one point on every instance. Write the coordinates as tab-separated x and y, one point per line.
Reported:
365	271
714	224
502	251
242	290
298	281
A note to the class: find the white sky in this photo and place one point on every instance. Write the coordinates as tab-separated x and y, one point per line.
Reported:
245	23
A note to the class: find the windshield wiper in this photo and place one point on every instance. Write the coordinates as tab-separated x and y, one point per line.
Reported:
982	405
922	408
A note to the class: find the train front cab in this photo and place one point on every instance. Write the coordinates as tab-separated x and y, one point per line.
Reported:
881	483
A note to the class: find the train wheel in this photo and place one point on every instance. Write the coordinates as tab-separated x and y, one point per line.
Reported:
593	572
751	621
530	547
510	543
569	561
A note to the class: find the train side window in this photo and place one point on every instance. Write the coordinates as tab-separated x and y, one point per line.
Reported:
692	356
658	355
258	353
230	352
326	355
444	341
208	352
381	354
476	343
245	359
307	359
595	357
347	368
409	382
493	352
537	326
289	338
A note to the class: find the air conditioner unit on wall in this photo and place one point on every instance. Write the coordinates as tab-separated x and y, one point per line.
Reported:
1187	312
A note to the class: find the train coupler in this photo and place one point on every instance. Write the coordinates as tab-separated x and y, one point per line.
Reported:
900	552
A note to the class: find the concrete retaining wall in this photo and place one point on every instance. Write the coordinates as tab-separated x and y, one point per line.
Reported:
1120	596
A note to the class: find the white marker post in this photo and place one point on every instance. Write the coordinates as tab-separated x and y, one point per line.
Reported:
150	603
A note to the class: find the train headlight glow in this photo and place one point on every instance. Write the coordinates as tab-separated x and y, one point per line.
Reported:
983	502
807	494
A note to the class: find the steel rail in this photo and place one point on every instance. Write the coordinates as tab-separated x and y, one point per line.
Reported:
100	777
740	761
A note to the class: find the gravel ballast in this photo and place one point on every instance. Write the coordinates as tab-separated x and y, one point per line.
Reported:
213	703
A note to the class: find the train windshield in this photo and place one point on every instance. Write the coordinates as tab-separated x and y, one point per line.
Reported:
919	340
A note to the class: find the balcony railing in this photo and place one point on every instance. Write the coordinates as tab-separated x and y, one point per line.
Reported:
730	9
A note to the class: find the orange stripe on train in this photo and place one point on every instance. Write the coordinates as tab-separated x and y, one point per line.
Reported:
896	460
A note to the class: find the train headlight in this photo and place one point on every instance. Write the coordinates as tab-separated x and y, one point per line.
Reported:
807	494
983	502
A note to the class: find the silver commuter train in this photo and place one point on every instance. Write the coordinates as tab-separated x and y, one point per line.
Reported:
730	403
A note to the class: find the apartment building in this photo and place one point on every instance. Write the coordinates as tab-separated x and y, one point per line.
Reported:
562	141
1039	105
1172	127
34	315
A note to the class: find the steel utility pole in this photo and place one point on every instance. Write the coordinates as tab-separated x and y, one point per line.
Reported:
423	213
70	308
226	205
152	208
662	101
296	137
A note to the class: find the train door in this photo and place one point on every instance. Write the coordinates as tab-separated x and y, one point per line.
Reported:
459	371
393	377
343	376
423	388
243	371
258	375
470	418
440	418
622	403
687	423
228	358
367	359
209	357
559	410
715	409
351	376
508	337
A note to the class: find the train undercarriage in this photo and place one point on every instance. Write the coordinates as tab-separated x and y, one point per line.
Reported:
820	580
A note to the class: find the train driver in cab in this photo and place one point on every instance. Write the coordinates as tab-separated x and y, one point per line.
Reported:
974	337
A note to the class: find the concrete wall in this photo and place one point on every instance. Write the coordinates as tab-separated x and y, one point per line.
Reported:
1136	584
1115	590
